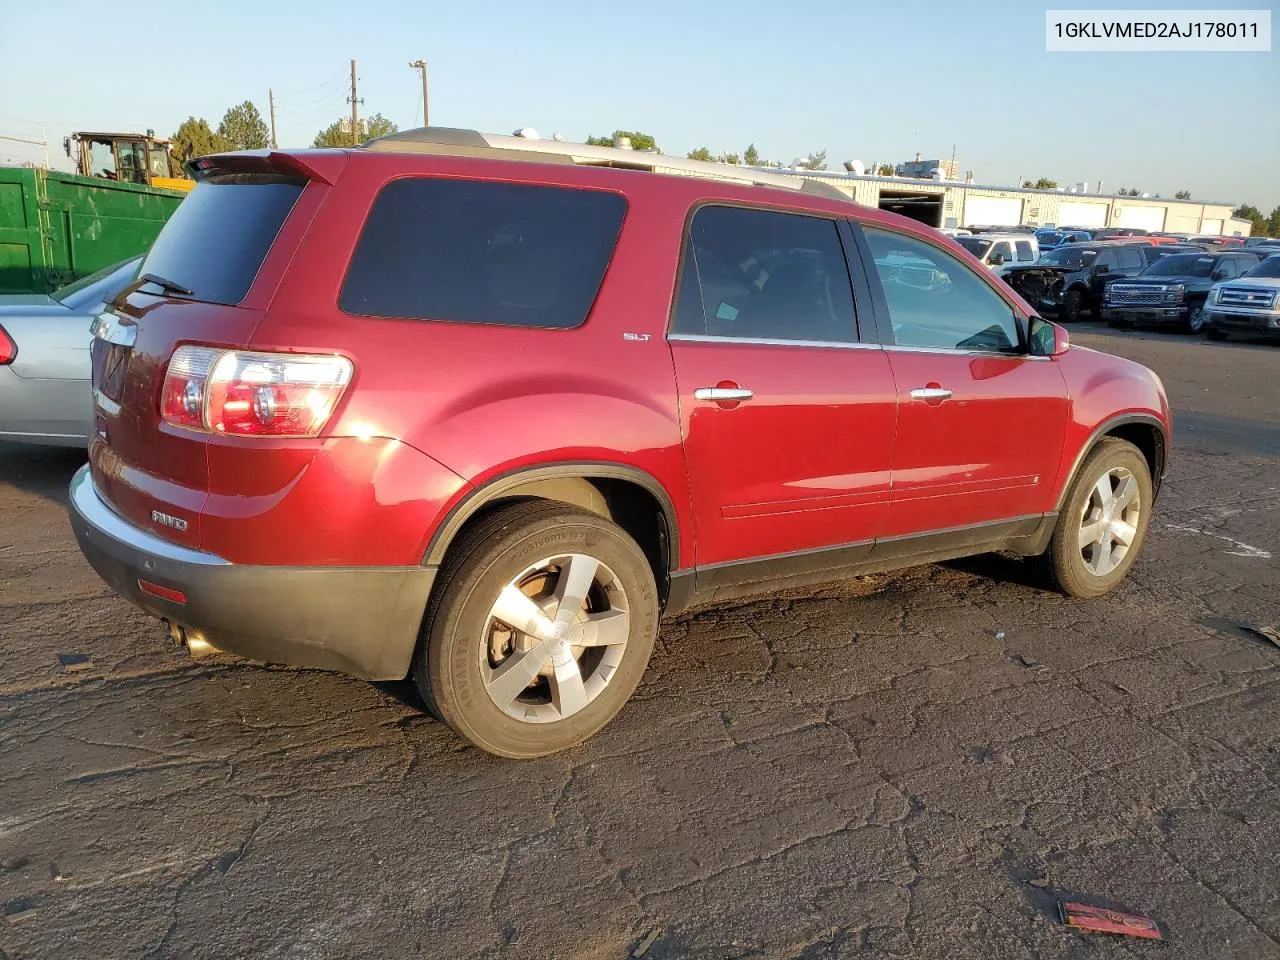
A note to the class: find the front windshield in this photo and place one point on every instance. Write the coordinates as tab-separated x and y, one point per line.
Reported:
975	245
1180	265
1070	257
1269	268
159	158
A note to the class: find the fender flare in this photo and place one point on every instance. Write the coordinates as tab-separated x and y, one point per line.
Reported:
1104	428
503	483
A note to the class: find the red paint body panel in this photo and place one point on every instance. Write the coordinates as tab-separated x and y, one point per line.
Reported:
990	452
830	451
802	465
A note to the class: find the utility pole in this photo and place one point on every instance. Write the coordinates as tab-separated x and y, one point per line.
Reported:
355	114
421	67
271	99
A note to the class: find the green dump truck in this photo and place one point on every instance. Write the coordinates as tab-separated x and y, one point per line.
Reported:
57	227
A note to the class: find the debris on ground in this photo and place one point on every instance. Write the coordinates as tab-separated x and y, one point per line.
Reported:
73	662
643	947
1102	920
1266	633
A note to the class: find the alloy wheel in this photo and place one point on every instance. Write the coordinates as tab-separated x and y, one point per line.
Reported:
555	636
1109	521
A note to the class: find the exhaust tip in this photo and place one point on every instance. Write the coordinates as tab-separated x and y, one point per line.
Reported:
195	642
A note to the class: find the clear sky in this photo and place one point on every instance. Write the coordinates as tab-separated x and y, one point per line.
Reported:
869	81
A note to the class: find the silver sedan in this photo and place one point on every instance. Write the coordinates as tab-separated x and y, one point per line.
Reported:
44	358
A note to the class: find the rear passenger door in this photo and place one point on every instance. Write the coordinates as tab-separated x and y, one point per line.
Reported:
787	418
981	423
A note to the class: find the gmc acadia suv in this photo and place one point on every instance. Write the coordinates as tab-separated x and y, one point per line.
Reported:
482	409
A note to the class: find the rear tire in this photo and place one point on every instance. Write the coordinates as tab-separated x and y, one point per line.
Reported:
562	670
1102	525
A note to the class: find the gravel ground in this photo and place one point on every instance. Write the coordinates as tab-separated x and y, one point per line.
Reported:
916	765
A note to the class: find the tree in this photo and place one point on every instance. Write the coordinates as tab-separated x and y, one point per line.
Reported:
702	153
338	133
1247	211
884	170
244	127
729	158
817	160
750	156
1273	223
1182	195
1044	183
639	141
194	139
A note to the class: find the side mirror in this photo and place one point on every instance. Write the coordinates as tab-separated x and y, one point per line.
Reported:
997	260
1047	339
1101	269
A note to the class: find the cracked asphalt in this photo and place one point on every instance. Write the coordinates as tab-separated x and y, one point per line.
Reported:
914	765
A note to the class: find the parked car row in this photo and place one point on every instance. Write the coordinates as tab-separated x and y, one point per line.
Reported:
1135	282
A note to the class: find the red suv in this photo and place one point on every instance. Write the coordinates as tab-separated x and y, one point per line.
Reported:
483	409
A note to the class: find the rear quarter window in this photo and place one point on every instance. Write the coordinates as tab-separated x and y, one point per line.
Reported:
482	252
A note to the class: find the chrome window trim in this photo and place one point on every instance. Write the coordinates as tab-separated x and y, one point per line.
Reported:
772	342
962	352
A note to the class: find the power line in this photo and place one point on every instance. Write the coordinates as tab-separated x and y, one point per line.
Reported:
341	74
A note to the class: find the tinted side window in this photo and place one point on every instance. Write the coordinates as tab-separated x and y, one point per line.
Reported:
1024	251
1004	250
483	252
1106	258
936	301
1130	258
758	274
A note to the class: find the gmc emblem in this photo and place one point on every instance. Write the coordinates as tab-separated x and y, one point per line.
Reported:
177	523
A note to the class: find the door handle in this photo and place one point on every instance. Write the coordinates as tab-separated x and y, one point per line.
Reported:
930	393
723	394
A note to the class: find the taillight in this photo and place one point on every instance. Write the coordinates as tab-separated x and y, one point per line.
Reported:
8	349
252	394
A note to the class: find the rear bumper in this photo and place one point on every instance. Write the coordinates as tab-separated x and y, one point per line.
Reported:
362	621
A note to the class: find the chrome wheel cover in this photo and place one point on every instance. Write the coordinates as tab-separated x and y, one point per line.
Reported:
1109	521
554	638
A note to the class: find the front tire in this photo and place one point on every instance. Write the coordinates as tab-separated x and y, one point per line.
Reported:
540	628
1195	318
1072	304
1103	522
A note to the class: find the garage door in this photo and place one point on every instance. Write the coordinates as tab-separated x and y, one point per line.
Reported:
1211	227
1182	222
1147	218
1082	214
992	211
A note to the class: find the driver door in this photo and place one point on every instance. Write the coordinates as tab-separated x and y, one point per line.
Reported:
981	424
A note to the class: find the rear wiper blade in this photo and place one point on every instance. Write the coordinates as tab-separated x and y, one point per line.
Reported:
164	284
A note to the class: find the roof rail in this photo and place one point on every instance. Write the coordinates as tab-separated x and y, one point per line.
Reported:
458	142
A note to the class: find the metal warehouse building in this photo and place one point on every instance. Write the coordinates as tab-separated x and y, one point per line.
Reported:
941	203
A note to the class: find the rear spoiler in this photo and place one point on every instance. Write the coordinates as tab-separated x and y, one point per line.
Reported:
322	166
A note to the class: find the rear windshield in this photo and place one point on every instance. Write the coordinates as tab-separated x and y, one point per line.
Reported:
218	237
481	252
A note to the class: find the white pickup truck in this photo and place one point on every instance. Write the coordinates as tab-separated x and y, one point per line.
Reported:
1248	304
1000	251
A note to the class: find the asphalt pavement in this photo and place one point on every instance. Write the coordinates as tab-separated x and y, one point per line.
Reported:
913	765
